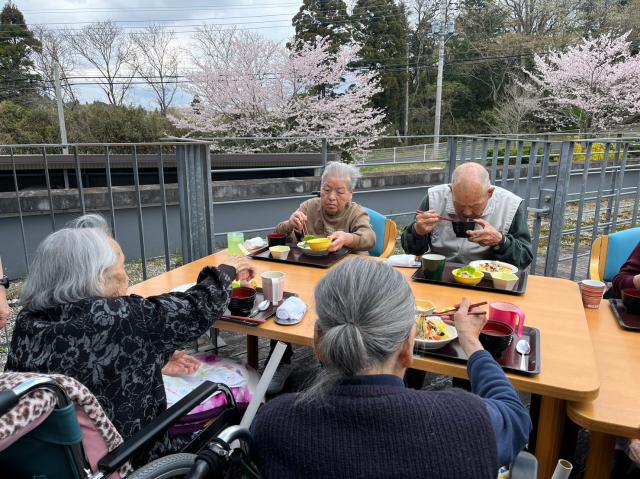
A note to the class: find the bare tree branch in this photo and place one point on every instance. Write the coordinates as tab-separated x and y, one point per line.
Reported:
54	50
109	50
157	62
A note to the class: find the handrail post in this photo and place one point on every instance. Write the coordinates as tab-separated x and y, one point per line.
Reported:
451	157
558	209
193	166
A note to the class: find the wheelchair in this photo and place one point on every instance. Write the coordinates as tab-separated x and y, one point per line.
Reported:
54	448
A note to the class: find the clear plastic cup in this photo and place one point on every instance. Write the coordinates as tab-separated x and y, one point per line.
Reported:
233	240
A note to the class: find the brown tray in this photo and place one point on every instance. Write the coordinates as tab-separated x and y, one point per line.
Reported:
627	320
296	256
510	359
484	285
259	318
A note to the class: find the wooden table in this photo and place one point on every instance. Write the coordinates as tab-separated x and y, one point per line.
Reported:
552	305
616	410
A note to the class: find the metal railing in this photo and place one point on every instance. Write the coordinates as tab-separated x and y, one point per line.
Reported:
575	191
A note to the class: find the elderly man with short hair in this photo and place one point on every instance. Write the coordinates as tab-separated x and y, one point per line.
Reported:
501	233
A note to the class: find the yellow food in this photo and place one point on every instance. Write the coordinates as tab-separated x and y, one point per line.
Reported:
493	267
431	328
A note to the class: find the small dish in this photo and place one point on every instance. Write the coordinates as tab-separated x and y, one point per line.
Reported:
423	343
474	278
279	251
506	281
489	266
309	251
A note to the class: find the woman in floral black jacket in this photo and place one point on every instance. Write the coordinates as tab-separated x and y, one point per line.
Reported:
77	320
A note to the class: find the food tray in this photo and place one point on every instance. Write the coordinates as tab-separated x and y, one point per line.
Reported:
259	318
296	256
627	320
510	359
484	285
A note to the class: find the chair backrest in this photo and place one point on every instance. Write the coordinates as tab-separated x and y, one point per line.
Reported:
386	232
610	252
50	444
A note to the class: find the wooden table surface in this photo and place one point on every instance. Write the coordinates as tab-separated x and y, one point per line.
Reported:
616	410
568	370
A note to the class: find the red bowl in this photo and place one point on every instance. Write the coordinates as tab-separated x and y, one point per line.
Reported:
276	239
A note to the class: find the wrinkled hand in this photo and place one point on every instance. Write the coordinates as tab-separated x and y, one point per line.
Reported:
180	364
634	450
469	327
426	221
487	236
298	219
340	239
245	271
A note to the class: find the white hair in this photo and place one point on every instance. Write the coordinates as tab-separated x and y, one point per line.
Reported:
69	265
466	171
337	169
366	310
91	220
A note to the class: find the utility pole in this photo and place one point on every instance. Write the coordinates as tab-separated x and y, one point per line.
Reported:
440	30
406	95
63	127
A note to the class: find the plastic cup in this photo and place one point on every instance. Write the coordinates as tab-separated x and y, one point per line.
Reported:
235	239
433	266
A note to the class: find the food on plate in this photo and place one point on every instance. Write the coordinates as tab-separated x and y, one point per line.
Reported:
493	267
431	328
467	275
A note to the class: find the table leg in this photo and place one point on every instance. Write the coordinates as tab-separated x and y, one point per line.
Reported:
549	436
252	351
600	455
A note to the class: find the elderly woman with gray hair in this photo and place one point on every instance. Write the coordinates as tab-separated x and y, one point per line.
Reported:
334	214
78	320
359	420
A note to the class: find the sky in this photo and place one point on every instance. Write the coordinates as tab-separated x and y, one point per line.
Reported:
271	18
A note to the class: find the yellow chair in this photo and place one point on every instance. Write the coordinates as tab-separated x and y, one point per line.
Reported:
610	252
386	229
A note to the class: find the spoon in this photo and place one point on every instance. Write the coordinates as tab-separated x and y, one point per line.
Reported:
523	348
261	307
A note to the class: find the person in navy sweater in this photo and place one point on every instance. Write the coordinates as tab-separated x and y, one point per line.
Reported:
359	420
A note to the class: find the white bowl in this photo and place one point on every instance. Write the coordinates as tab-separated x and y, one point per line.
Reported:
279	254
436	344
506	284
476	264
310	252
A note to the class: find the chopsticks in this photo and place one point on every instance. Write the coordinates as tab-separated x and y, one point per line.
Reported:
471	306
442	218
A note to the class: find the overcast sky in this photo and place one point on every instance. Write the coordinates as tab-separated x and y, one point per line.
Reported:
271	18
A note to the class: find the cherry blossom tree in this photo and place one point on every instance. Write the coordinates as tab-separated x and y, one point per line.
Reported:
592	85
249	86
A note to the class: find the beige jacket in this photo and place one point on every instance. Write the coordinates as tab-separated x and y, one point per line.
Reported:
354	219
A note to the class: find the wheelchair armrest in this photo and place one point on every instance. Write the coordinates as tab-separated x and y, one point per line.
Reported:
149	434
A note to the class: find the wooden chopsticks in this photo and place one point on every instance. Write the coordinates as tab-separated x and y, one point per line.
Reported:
471	306
442	218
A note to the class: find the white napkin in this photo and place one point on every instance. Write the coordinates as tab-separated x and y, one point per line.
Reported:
291	311
404	260
254	243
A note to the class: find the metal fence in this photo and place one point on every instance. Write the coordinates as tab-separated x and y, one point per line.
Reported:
575	190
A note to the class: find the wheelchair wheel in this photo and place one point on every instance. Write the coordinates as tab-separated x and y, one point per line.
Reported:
174	465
